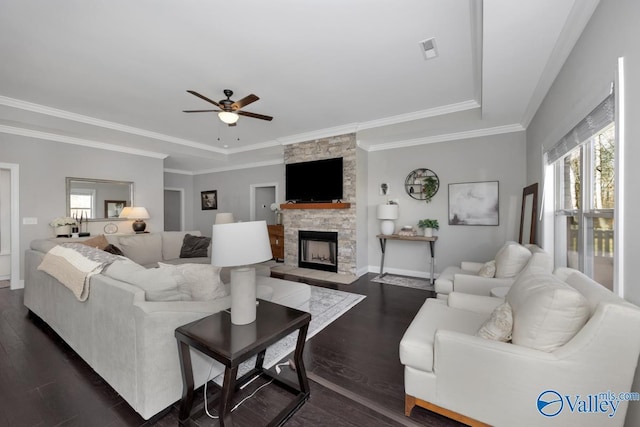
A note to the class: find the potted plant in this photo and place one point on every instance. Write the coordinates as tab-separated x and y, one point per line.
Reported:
429	225
62	226
429	187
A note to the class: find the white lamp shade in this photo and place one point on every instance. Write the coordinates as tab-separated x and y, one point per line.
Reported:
124	213
240	243
387	211
228	117
138	213
224	218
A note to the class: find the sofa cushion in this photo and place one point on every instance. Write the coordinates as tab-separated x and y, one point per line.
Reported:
511	259
172	243
488	269
499	325
158	285
194	246
547	312
142	248
201	281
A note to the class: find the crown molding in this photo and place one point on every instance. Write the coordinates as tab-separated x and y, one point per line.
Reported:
496	130
67	115
240	166
178	171
417	115
318	134
47	136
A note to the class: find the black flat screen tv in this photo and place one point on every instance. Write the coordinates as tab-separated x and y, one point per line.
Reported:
314	181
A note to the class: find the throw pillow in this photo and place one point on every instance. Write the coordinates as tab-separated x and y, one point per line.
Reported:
99	242
113	249
511	259
547	312
488	269
201	281
142	248
195	246
499	325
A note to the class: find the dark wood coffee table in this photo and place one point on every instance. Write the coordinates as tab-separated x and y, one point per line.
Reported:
231	345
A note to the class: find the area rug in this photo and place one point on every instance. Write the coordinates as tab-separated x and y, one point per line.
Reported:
408	282
326	305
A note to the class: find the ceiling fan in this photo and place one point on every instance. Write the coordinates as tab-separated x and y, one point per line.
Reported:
229	110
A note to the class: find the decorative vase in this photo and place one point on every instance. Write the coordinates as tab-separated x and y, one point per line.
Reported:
428	232
63	230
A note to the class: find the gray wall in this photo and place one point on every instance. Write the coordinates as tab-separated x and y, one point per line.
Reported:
582	83
234	188
492	158
44	166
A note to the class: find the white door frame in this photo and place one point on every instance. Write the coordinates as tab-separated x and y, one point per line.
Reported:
15	224
252	197
182	207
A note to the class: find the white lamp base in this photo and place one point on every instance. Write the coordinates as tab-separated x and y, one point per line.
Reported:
387	227
243	295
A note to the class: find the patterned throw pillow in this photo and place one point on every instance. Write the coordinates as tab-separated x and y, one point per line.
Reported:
499	325
488	269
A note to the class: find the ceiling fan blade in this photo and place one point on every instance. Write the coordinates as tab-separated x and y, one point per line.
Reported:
192	92
254	115
244	101
200	111
232	124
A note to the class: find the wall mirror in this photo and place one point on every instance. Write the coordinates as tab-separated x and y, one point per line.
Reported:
528	214
98	199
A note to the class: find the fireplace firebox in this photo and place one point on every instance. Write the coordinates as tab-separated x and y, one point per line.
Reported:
318	250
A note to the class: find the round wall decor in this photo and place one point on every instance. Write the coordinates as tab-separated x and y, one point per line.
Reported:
422	184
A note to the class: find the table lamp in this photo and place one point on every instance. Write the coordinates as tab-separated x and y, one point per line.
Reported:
238	245
387	213
224	218
138	214
124	213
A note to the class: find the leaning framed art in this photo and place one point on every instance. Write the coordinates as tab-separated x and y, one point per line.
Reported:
474	203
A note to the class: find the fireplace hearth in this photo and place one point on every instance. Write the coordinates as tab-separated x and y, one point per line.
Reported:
318	250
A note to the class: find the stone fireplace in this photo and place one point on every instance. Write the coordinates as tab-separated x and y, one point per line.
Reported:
341	222
318	250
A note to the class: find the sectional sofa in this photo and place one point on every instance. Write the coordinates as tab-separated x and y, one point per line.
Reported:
126	338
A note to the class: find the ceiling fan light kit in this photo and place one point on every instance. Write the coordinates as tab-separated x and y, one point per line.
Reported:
227	117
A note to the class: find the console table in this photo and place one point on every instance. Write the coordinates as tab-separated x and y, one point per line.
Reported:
231	344
383	245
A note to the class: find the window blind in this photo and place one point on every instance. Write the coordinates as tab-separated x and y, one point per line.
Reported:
597	120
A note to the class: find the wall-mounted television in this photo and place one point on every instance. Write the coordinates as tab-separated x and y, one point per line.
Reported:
314	181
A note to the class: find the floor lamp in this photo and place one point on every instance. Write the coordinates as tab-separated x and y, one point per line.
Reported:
239	245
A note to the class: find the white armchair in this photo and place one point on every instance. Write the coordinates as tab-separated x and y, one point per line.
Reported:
510	261
567	339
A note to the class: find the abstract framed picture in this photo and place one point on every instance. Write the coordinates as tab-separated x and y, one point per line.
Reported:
474	203
209	199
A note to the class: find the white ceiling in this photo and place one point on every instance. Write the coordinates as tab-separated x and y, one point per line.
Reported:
114	74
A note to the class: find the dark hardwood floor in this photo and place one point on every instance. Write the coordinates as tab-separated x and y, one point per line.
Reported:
354	361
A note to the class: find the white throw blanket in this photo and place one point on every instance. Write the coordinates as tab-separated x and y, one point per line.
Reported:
73	264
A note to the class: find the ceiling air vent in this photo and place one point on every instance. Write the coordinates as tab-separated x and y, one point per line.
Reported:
428	48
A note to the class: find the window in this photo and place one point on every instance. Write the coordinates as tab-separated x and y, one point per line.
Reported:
82	203
585	197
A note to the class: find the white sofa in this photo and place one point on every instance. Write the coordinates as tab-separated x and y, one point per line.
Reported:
509	261
128	340
570	336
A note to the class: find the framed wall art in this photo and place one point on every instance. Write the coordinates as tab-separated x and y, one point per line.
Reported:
209	199
474	203
112	208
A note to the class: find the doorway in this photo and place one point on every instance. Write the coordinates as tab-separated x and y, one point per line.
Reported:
262	196
174	209
9	225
